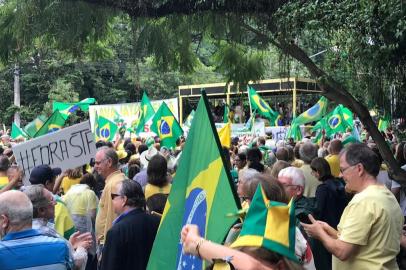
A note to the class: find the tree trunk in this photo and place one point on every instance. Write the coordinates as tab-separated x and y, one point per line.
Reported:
17	93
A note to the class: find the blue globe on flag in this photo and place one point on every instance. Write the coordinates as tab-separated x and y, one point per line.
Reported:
195	213
334	121
73	108
314	110
164	128
104	133
263	104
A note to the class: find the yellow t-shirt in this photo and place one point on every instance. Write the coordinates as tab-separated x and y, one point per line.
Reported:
105	215
334	162
80	200
68	182
63	221
373	220
151	190
3	181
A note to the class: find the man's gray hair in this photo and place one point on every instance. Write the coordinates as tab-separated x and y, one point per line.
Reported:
36	194
111	154
295	174
247	174
19	212
307	152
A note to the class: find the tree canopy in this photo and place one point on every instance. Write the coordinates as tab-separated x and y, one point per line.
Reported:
363	42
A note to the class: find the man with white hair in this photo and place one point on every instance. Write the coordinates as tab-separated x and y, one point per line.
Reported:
293	181
22	247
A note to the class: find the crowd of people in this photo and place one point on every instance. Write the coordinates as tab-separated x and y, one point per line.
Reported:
348	212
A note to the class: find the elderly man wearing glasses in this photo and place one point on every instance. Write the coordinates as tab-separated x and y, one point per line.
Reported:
106	165
370	227
129	242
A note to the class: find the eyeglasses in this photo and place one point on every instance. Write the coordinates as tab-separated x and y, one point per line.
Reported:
289	185
99	162
342	170
114	195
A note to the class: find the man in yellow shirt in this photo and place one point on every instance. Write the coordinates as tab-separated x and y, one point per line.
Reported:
333	158
106	165
369	231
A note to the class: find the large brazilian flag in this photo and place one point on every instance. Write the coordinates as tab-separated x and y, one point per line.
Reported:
166	126
104	130
260	106
316	112
146	113
202	193
54	123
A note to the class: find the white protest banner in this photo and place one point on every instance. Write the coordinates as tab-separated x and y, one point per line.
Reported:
129	112
240	130
278	133
67	148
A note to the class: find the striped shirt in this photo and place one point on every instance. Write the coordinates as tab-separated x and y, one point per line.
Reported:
30	249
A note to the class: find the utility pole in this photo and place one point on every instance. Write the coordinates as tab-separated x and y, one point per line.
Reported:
17	93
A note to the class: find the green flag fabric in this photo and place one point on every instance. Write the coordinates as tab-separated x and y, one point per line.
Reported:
17	132
32	127
165	125
316	112
348	116
383	123
202	193
294	131
336	121
270	225
105	130
67	108
260	105
147	112
54	123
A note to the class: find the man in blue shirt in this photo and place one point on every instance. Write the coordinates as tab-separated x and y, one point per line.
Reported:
22	247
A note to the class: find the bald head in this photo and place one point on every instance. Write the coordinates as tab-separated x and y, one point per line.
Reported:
17	207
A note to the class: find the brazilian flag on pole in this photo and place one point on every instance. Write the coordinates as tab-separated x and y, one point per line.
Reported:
166	126
338	120
260	106
105	130
147	112
32	127
202	193
316	112
67	108
54	123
